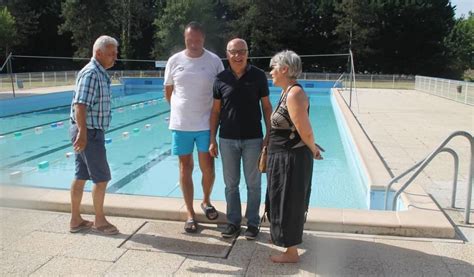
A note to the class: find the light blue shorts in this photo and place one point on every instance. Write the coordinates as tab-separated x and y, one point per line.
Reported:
183	141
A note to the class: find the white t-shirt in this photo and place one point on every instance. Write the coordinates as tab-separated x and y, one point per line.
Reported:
192	78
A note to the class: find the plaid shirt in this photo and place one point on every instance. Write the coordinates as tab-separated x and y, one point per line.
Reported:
93	90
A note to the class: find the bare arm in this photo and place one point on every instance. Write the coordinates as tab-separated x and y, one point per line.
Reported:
81	139
215	114
168	92
297	103
267	112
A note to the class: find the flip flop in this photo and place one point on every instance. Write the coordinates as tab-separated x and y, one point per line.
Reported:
190	226
106	230
84	225
209	210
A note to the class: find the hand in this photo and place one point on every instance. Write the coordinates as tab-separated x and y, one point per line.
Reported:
213	151
265	141
80	142
317	154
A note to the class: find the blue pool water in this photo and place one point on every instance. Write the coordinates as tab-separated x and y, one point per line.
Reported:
141	163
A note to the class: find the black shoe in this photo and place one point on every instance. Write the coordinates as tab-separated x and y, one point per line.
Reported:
251	232
231	231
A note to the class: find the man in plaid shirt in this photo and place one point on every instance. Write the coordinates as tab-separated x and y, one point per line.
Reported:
90	117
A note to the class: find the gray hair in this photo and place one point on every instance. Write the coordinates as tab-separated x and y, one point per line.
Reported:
102	42
291	60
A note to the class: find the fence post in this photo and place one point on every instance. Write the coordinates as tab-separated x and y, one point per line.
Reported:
465	93
29	78
371	80
42	73
393	82
449	87
65	77
54	77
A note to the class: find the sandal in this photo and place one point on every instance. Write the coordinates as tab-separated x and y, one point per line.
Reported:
106	230
84	225
210	211
190	226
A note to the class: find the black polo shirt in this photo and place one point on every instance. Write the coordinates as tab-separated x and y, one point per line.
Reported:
241	114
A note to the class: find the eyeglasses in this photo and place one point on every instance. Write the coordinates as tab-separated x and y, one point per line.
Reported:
234	52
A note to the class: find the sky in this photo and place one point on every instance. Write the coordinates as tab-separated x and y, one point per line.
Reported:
463	7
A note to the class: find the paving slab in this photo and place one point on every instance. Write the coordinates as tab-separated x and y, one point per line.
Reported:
49	244
170	237
95	247
146	263
64	266
236	263
262	265
347	256
16	224
14	263
410	258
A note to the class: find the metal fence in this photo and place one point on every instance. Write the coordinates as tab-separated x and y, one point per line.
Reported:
60	78
24	81
458	91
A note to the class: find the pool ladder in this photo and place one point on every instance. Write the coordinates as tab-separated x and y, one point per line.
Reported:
423	163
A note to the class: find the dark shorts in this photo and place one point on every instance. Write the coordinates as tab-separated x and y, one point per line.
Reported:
91	163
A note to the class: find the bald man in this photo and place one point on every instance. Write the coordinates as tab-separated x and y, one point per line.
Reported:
240	94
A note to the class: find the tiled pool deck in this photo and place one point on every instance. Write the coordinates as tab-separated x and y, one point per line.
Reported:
403	125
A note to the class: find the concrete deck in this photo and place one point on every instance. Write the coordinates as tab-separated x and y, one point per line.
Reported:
37	243
404	127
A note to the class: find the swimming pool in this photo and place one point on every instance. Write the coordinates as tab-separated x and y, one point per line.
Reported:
36	150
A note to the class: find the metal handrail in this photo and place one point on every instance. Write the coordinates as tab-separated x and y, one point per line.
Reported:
455	179
6	61
338	79
422	164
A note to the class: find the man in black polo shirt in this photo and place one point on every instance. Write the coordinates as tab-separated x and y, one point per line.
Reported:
240	94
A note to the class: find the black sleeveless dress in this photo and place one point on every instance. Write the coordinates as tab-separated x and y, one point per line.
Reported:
289	173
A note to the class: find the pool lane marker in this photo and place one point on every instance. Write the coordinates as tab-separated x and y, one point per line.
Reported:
69	144
137	172
154	101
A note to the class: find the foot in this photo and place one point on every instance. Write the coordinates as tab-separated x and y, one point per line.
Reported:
106	230
104	227
76	221
210	211
285	258
231	231
83	225
251	232
190	226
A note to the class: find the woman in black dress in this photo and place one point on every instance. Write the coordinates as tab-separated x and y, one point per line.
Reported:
291	151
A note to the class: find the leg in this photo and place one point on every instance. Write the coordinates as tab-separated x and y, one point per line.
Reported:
206	164
186	166
98	197
183	146
290	256
231	155
253	178
77	189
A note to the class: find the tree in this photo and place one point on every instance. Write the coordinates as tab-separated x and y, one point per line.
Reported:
86	20
175	16
460	47
130	19
305	26
357	26
7	30
26	22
